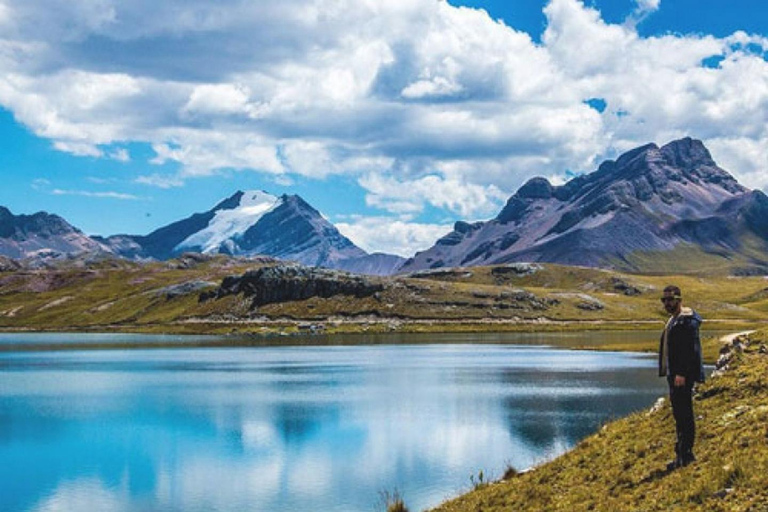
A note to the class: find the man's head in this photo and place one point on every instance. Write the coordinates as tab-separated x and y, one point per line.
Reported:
672	299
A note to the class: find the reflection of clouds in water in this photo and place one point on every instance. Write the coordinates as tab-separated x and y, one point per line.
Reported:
259	436
85	494
209	483
277	429
313	475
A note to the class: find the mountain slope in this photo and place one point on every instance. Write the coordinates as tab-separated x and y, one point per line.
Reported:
23	236
650	200
253	223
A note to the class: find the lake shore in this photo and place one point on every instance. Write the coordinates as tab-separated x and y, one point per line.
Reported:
622	467
286	332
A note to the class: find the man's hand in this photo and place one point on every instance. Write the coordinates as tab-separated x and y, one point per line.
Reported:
679	381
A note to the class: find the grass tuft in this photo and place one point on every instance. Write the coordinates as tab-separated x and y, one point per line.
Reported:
393	501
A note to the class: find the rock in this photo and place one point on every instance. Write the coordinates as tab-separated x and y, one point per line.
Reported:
8	264
593	305
438	273
723	360
189	260
284	283
313	328
623	287
516	294
656	406
176	290
518	269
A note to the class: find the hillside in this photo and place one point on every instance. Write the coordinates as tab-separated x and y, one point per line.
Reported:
622	468
216	294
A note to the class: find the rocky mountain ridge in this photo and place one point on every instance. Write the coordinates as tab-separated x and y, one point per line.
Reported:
247	224
650	200
24	236
650	209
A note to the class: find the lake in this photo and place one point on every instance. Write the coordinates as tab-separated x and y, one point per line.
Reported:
299	428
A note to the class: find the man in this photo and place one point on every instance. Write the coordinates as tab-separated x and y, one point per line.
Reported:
680	362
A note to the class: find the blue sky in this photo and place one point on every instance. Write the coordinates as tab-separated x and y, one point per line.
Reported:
393	118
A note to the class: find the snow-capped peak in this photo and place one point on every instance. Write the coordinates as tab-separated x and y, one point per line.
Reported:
231	224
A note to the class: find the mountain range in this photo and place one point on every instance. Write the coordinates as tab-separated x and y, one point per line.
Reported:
652	203
246	224
652	208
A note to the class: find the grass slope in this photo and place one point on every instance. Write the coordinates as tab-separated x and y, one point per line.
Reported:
622	468
163	297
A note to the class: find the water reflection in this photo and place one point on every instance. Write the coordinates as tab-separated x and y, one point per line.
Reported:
302	428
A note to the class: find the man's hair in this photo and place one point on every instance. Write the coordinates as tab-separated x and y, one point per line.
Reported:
674	290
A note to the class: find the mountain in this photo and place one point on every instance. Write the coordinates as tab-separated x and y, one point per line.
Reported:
651	206
23	236
376	264
255	222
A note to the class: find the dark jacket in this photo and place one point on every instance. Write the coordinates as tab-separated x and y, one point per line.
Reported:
684	346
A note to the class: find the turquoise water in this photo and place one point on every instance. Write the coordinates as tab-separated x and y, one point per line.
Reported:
292	428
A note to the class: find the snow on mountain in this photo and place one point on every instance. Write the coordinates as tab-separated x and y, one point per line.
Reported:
229	225
257	223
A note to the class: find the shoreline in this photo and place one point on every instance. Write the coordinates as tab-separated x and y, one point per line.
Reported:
560	463
299	334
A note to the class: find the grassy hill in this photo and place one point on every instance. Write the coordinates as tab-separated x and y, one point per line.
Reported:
622	467
165	297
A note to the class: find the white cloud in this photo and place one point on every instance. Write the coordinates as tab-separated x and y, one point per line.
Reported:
410	196
447	107
160	181
120	154
436	87
87	193
215	99
748	155
643	8
40	184
392	235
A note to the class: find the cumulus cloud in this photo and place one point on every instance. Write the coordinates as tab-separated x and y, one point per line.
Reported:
409	197
391	234
424	103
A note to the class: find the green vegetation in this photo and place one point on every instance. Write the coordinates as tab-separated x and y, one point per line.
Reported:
623	467
165	297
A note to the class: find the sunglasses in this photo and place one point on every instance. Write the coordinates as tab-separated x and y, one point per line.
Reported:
669	299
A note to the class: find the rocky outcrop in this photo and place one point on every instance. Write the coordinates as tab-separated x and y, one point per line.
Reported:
181	289
8	265
285	283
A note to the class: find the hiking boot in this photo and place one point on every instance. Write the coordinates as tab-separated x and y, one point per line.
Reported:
688	458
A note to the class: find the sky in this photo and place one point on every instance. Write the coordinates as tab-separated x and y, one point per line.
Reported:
394	118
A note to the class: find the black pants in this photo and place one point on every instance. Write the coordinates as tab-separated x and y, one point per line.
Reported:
682	410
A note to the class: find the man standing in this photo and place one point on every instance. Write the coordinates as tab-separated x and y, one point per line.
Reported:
680	362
